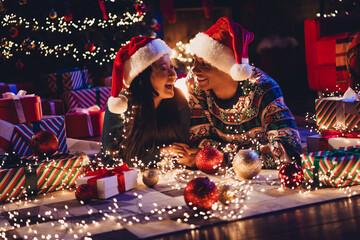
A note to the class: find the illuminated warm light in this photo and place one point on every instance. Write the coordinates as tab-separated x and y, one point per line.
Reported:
59	25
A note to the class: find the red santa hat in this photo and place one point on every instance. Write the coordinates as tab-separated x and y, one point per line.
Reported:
225	46
129	62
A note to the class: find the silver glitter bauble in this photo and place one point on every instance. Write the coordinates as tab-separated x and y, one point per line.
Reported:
150	177
247	164
226	194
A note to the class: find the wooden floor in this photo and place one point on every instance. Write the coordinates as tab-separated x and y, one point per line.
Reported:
331	220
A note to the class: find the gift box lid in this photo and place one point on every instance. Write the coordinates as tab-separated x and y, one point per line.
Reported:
30	109
101	183
24	99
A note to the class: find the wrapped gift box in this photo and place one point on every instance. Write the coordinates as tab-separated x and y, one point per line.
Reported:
85	98
110	182
53	107
20	108
31	176
68	79
334	168
16	138
105	187
85	123
338	112
15	87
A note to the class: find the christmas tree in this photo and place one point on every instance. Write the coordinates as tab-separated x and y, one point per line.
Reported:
332	8
44	36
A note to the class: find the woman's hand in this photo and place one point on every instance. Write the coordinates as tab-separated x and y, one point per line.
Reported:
190	160
175	150
184	154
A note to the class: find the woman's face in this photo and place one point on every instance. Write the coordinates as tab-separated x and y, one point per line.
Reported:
163	77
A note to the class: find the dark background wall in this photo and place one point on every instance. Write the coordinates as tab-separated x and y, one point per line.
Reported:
278	26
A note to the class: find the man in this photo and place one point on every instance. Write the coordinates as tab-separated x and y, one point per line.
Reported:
234	105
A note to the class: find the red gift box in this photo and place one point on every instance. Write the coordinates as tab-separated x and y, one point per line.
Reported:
84	122
20	108
53	107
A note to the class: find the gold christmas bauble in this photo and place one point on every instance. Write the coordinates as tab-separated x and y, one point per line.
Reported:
150	177
52	14
2	7
83	155
22	2
4	42
28	44
226	194
247	164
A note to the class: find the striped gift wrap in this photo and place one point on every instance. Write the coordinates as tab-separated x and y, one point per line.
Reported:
327	116
58	172
333	168
22	134
71	79
85	98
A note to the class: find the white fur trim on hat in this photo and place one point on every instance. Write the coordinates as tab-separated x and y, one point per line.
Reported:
220	56
118	104
240	71
143	58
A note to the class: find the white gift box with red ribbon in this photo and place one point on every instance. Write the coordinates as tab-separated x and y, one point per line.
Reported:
105	187
110	182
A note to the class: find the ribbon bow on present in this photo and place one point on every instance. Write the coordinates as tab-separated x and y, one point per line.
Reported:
332	133
350	96
101	173
87	111
18	107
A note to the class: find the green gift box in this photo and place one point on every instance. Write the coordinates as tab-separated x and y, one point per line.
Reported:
333	168
20	177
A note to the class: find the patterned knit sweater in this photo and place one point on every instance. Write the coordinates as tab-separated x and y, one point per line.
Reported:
256	117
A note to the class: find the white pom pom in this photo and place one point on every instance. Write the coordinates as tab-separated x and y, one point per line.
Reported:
117	105
240	72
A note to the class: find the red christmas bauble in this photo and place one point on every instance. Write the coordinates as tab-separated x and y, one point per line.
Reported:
201	193
19	65
68	17
141	8
291	175
44	142
84	193
89	47
13	32
209	160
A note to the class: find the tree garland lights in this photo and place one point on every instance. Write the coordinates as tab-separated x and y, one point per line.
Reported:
25	35
69	49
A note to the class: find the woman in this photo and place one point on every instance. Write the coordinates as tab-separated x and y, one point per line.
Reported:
150	119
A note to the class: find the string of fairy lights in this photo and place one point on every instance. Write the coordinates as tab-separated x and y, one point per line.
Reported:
9	48
63	220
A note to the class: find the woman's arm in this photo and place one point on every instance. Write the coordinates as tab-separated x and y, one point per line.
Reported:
111	136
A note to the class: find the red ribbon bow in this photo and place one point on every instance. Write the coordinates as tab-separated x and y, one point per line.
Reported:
101	173
331	133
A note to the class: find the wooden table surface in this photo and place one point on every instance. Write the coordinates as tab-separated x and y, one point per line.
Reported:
338	219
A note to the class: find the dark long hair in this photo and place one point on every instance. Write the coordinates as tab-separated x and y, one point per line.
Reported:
149	127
